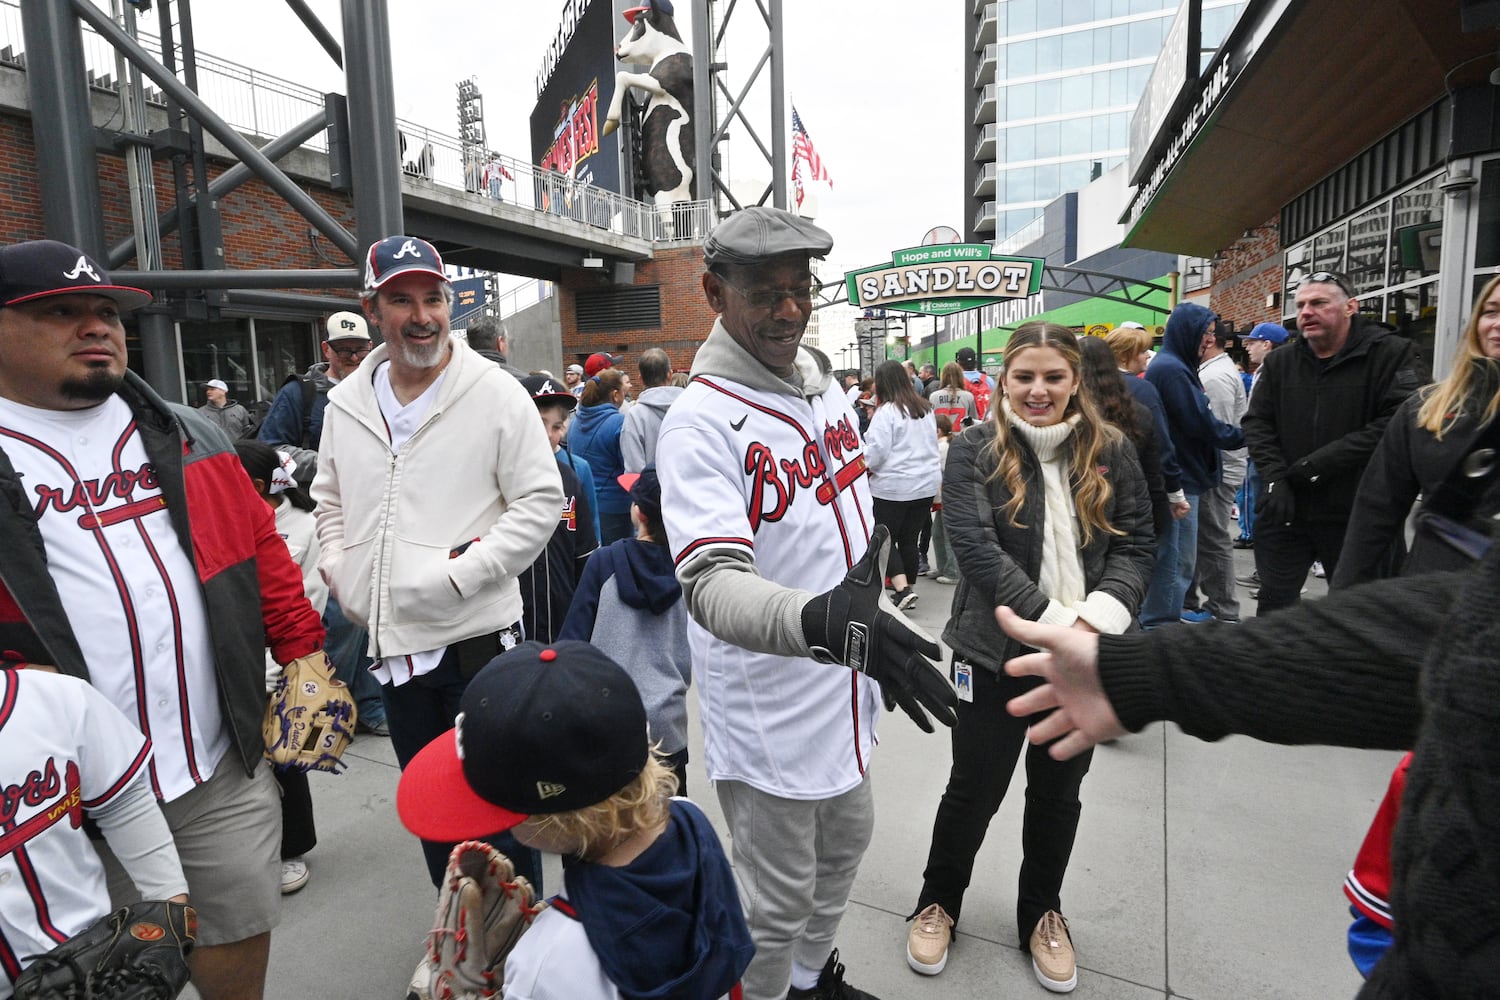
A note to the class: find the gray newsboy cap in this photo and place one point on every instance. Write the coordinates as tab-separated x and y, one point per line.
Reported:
759	233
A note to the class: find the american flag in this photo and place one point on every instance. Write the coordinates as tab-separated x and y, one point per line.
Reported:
802	151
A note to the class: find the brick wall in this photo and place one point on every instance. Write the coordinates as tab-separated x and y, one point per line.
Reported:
1249	272
685	315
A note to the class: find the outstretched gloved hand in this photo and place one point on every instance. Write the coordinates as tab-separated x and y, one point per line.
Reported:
855	624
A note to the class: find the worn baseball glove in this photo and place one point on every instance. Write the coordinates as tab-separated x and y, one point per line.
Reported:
138	952
483	908
310	719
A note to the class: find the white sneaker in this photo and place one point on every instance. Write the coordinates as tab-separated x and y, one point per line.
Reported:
294	875
420	987
1318	571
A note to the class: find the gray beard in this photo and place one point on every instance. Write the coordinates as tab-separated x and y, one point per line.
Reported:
415	356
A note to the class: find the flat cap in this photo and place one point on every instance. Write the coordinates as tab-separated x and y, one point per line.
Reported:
759	233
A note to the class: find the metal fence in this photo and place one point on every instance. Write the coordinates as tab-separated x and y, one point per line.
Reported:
263	105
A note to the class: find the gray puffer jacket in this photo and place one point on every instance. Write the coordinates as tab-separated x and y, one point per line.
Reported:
1000	563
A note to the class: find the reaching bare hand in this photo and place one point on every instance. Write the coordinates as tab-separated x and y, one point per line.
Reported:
1069	665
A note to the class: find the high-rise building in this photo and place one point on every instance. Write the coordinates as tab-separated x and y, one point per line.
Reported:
1052	86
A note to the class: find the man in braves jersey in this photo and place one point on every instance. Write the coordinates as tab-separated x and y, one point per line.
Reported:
65	752
138	557
767	507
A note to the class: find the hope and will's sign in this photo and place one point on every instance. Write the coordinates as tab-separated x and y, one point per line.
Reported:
943	279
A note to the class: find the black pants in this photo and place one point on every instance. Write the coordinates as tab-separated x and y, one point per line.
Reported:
298	834
905	519
1285	552
986	743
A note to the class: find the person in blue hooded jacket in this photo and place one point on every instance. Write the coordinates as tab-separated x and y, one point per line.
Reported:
595	435
629	594
1197	436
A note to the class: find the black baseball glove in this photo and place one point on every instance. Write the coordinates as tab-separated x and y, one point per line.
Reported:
138	952
855	624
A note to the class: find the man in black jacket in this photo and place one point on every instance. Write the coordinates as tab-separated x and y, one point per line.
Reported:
1319	408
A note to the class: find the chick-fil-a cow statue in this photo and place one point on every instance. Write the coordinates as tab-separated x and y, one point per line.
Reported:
667	149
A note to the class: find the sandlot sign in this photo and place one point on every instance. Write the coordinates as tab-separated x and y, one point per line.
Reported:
948	278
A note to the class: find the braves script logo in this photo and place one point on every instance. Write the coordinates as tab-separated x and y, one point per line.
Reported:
774	481
92	494
408	249
570	513
60	798
82	267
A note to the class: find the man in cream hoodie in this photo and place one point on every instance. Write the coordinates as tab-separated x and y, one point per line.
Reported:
436	488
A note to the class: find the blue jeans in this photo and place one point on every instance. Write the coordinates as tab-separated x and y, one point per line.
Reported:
345	645
1249	493
1172	575
420	711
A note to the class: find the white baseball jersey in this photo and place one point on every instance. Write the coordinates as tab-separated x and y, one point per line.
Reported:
782	478
63	749
129	589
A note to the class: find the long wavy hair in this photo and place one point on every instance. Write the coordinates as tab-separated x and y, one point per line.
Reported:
1446	400
953	377
1091	489
1106	389
893	388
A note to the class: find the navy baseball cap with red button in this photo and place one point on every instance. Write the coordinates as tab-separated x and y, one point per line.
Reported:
401	255
541	729
38	269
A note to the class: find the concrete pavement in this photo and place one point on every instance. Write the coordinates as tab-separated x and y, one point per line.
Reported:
1201	871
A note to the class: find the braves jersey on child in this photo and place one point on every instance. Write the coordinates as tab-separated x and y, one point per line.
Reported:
63	749
782	479
128	586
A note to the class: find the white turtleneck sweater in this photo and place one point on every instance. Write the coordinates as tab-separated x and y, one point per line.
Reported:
1061	576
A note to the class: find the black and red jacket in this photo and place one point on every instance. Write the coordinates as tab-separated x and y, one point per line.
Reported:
252	590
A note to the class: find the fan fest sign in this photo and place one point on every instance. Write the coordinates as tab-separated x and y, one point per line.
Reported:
943	279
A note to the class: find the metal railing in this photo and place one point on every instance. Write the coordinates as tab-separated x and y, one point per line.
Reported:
263	105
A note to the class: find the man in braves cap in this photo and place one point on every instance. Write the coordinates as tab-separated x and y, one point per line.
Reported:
767	508
436	489
116	597
552	743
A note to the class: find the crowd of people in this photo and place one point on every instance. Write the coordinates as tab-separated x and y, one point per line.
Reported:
518	574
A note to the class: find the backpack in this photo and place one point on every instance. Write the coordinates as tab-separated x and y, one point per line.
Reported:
309	395
980	387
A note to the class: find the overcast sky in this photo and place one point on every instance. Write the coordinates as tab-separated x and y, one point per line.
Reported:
878	84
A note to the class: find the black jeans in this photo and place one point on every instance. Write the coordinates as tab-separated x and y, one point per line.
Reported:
986	743
1285	552
905	519
298	832
420	711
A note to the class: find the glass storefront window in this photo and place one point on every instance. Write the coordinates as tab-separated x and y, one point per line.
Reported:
1487	237
1297	260
281	349
1368	237
1413	312
216	350
1328	250
1416	232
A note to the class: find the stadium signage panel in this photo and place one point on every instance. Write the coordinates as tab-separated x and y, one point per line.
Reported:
943	279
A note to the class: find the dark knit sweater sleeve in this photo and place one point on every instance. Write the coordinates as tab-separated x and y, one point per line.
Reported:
1341	671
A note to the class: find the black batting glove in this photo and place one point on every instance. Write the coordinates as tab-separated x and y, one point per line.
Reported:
854	624
1277	504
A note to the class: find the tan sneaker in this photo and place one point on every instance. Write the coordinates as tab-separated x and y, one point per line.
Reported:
927	944
1052	956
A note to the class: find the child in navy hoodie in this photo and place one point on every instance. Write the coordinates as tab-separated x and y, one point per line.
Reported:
551	743
629	595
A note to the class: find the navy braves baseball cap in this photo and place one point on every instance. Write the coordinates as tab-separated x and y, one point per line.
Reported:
644	488
37	269
541	729
547	391
401	255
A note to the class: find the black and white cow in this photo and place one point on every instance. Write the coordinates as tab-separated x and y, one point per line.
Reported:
667	131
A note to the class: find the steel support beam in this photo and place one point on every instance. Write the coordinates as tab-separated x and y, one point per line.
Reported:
171	281
374	140
237	144
62	123
226	182
323	35
159	353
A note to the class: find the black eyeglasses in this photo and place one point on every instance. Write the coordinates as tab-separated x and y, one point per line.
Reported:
1329	277
351	352
770	298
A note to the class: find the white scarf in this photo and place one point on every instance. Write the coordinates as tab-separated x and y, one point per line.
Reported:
1061	576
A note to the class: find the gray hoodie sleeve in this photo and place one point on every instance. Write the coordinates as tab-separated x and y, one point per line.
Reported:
731	600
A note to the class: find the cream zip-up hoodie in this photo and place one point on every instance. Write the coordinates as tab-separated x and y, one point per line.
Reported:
478	472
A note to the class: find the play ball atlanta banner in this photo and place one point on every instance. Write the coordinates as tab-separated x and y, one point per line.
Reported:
948	278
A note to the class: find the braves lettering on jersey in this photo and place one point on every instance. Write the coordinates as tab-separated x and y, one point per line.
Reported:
127	584
782	478
63	750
